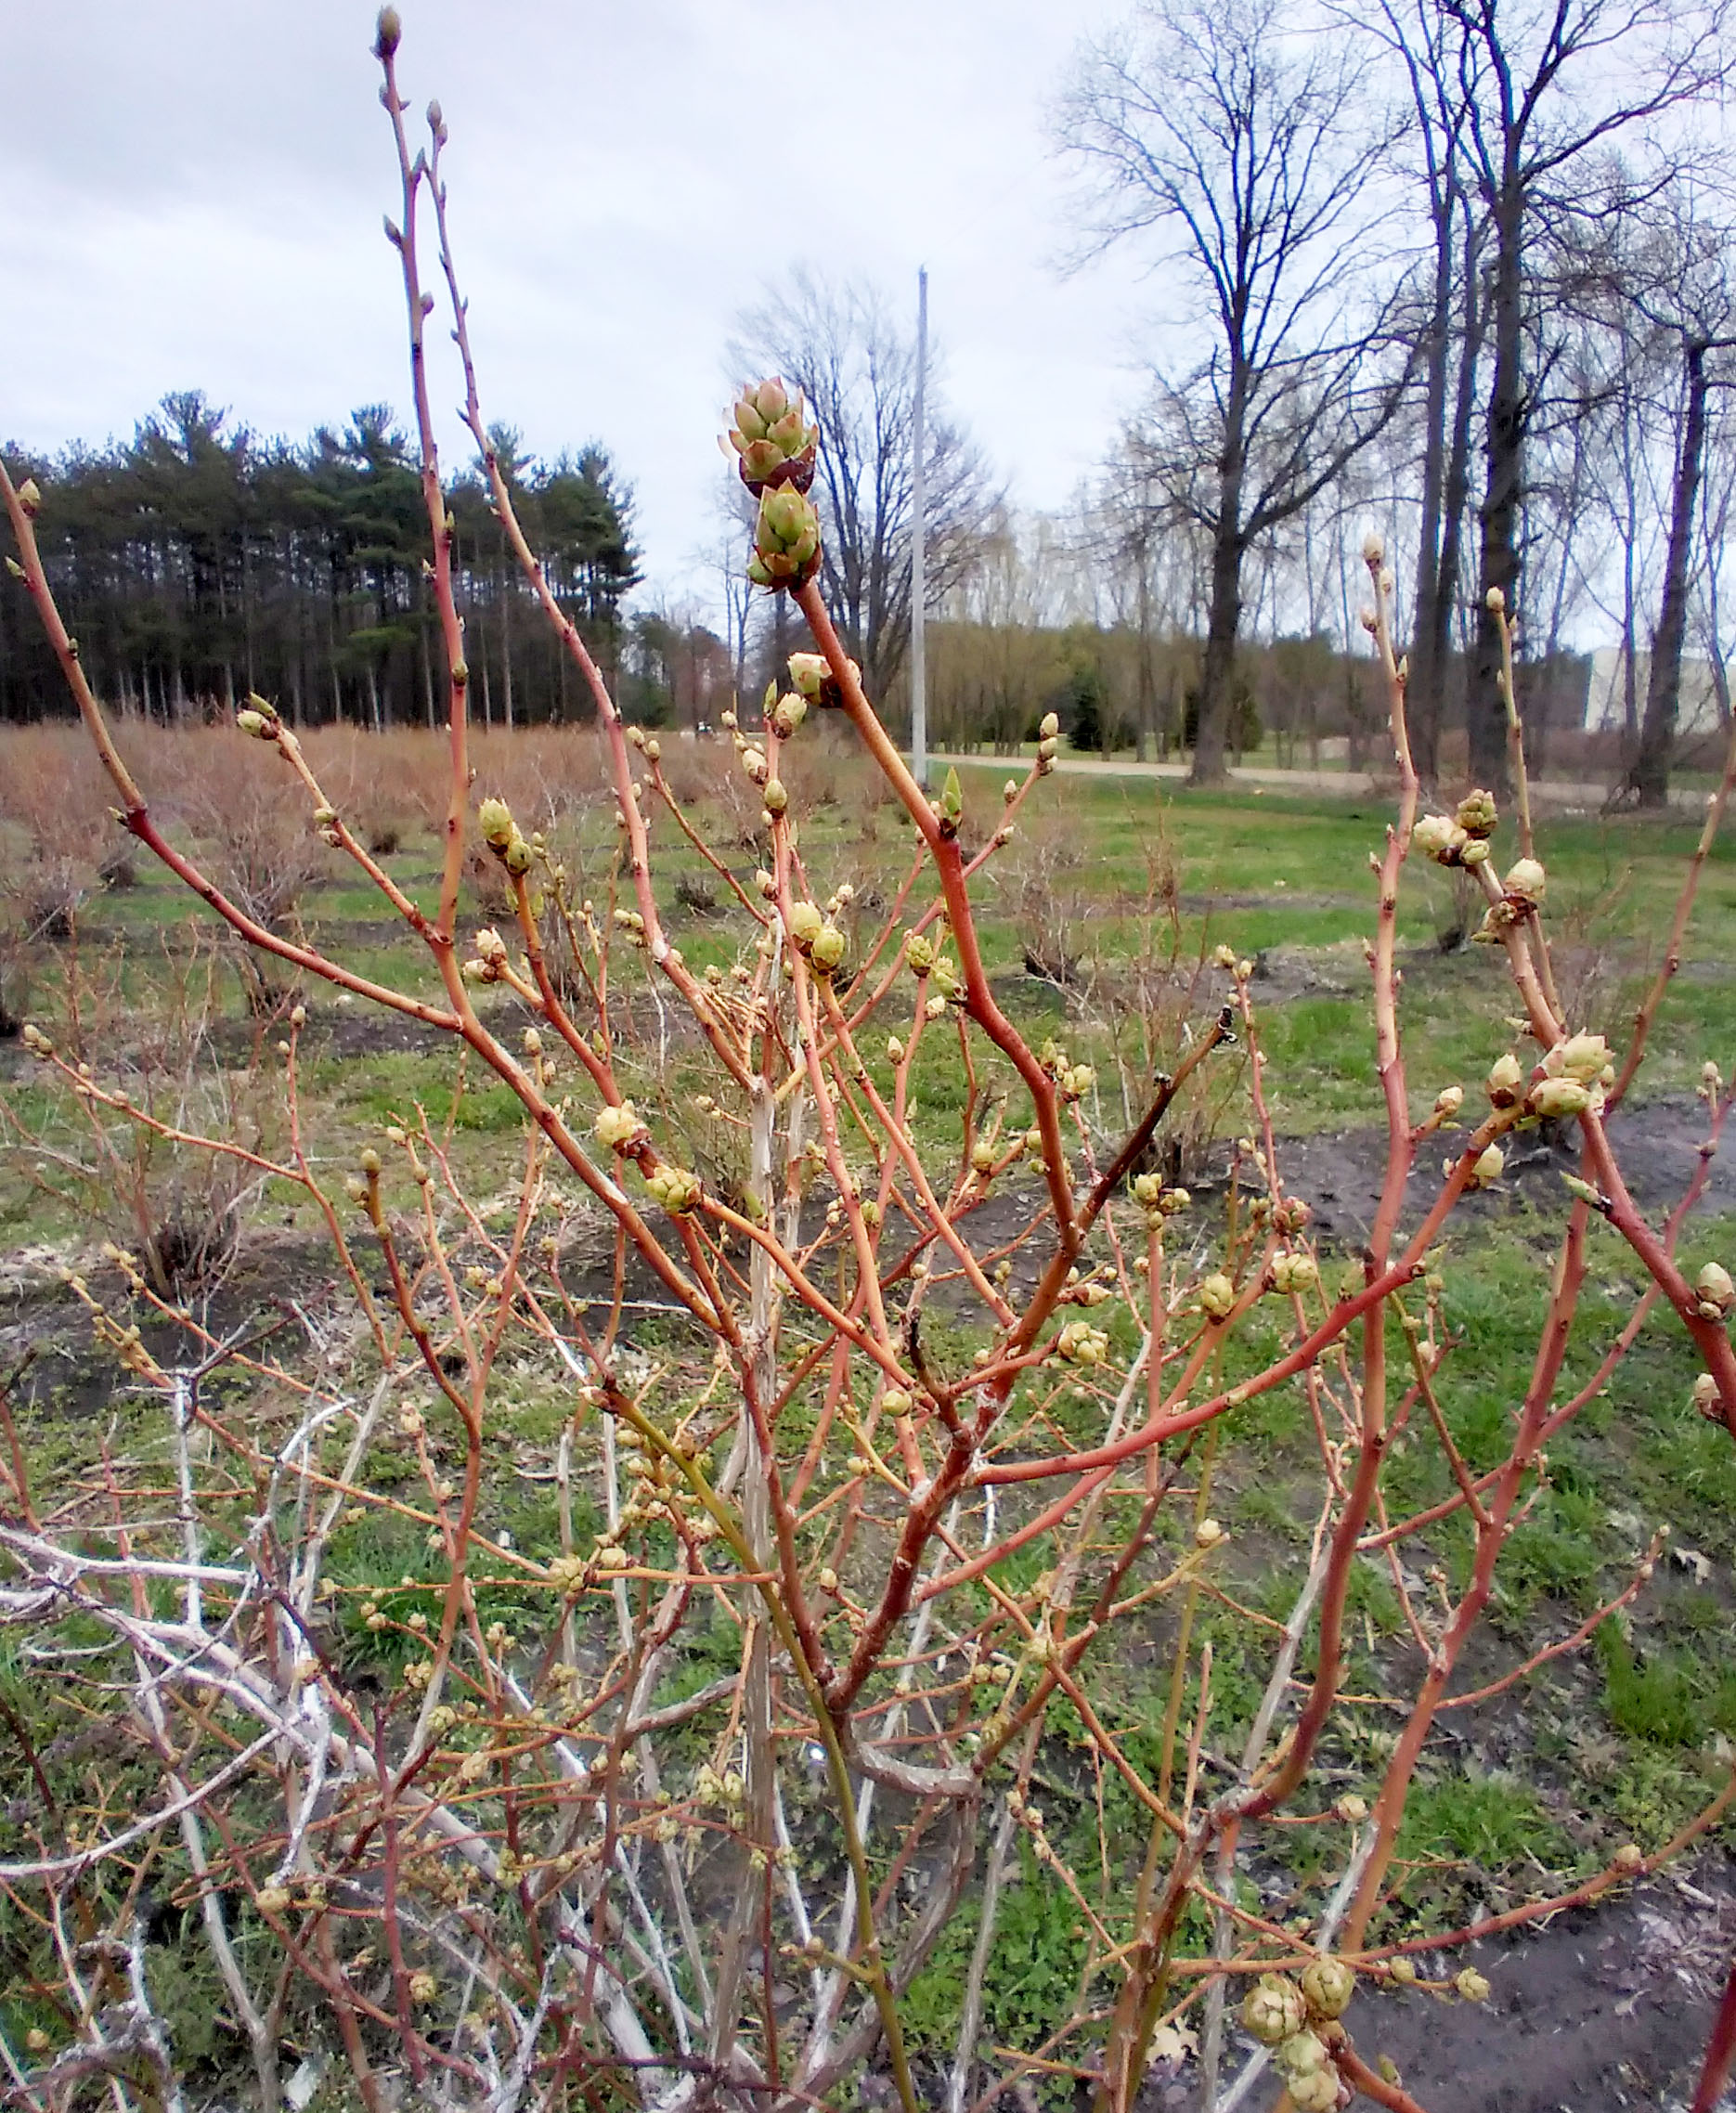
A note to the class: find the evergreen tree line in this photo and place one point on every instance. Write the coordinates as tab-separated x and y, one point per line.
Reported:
197	562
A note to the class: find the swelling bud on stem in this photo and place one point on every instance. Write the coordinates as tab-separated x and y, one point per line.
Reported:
1328	1985
616	1127
787	540
1217	1295
1439	838
1558	1099
1273	2010
1507	1078
1715	1289
775	442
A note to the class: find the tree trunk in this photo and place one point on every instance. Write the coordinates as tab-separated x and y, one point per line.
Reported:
1423	693
1219	664
1657	739
1486	715
1225	616
1147	689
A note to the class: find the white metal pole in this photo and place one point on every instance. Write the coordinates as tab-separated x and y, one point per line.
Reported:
918	553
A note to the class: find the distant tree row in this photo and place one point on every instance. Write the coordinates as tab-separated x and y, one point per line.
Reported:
197	562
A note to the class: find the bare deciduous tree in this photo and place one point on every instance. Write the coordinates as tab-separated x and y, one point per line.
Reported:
1545	83
1246	153
841	344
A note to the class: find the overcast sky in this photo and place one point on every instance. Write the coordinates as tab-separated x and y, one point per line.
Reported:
193	195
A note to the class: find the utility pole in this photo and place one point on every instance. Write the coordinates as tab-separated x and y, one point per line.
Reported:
918	554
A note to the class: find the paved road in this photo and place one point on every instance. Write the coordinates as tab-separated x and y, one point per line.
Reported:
1341	784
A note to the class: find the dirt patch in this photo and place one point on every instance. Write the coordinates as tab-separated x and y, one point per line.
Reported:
1340	1172
1605	2009
1608	2007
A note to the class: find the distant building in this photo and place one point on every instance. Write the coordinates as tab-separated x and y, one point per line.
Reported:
1606	705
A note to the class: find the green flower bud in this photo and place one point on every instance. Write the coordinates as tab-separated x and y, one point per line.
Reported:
775	796
30	498
1438	836
1477	813
1328	1985
1582	1057
675	1188
1272	2010
1302	2055
1471	1985
775	444
494	818
1217	1295
1714	1287
829	947
1524	881
1080	1343
1316	2091
806	923
1558	1097
1488	1167
919	953
616	1127
516	857
787	536
388	32
789	713
810	672
1506	1078
896	1400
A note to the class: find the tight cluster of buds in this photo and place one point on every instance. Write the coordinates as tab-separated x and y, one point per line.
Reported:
787	540
1570	1081
1080	1343
488	964
1048	743
675	1188
1273	2010
259	719
1309	2072
1158	1202
1294	1272
1217	1295
1576	1074
1281	2015
501	834
775	442
617	1127
1460	838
